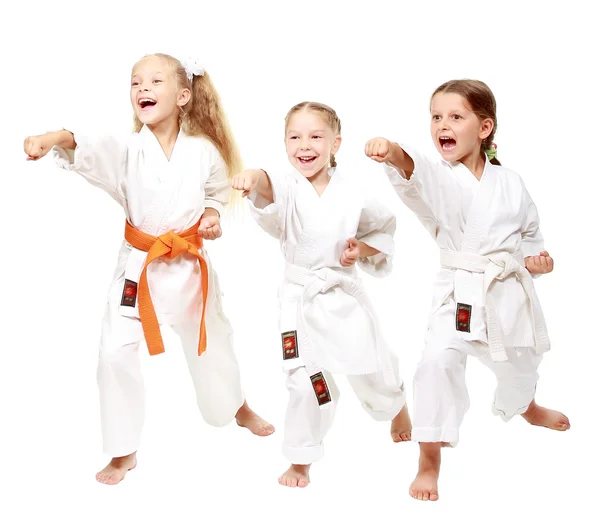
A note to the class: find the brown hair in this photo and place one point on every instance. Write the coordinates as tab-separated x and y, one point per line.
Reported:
481	101
203	114
326	112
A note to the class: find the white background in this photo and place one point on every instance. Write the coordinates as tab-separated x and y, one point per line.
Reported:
376	63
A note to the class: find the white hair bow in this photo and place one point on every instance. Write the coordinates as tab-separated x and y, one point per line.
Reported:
192	67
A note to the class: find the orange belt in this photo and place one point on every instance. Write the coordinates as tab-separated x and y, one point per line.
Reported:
170	245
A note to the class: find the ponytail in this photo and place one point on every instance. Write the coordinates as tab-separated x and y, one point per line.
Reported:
203	115
491	152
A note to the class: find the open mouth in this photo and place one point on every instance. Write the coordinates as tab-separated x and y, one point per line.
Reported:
447	144
146	103
306	159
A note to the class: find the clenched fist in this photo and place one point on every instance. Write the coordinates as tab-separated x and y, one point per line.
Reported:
540	264
351	253
378	149
246	181
37	147
210	227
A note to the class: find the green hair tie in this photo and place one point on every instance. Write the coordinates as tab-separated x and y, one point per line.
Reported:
491	152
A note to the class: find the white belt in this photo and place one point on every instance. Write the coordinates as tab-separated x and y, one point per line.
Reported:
498	267
320	281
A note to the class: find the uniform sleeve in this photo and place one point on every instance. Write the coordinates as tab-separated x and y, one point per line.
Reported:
271	216
217	190
100	160
376	228
532	241
420	193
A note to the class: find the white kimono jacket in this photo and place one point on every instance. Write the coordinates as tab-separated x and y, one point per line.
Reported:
484	229
158	195
321	301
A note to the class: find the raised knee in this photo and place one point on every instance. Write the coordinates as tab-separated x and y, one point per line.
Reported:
446	359
302	391
119	357
109	357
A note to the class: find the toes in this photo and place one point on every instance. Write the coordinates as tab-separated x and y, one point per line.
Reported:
401	437
110	478
561	423
103	477
302	483
114	477
423	495
266	429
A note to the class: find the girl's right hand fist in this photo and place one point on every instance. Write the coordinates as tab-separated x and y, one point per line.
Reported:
36	147
246	181
378	149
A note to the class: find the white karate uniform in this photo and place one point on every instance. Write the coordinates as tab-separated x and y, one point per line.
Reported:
324	304
159	195
484	230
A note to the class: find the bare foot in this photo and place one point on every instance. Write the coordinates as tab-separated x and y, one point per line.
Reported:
538	415
115	471
401	426
247	418
296	475
424	487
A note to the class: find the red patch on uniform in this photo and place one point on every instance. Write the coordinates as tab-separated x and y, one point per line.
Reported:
129	293
321	388
463	317
289	343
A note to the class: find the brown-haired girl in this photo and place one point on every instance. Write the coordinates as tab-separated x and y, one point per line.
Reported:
172	179
325	224
487	228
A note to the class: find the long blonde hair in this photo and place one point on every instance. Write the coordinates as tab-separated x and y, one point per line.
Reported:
203	115
326	112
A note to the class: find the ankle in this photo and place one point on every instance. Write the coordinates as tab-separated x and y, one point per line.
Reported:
301	468
431	455
531	410
243	410
430	448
